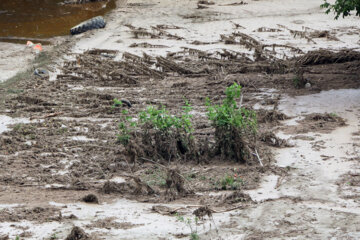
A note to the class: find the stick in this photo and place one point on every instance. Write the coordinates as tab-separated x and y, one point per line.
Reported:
241	99
146	159
279	181
47	116
258	157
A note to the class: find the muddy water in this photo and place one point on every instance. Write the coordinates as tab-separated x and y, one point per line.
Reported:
45	18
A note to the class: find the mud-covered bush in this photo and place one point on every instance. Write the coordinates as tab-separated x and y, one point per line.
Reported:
159	132
235	126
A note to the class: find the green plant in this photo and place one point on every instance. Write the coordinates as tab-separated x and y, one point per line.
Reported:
229	115
116	103
232	182
54	236
296	82
342	7
189	222
159	132
17	238
126	127
234	125
155	177
161	120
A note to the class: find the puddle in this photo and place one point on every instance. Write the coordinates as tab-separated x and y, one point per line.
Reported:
45	18
325	101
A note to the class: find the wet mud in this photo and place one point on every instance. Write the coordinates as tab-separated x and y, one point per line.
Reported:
61	161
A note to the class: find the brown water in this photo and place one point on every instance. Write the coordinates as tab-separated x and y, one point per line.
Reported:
45	18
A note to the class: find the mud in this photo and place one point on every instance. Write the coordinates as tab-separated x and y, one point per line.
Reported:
69	152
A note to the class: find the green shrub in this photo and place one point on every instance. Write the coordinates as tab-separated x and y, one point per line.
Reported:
159	132
161	120
342	7
235	126
229	115
126	127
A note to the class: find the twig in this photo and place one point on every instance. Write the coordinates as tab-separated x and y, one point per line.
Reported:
241	99
258	157
47	116
149	160
279	181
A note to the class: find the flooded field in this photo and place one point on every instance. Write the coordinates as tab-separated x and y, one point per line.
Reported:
74	161
45	18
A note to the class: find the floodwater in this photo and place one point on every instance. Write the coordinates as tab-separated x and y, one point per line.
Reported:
45	18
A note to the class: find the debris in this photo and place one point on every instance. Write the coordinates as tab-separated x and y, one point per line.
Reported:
29	44
326	57
38	48
175	184
124	102
43	73
270	116
47	116
271	139
77	234
90	198
204	2
323	34
237	197
201	212
134	187
235	4
146	45
93	23
164	210
4	237
199	6
113	187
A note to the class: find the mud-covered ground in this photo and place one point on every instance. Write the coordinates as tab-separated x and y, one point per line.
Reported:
58	141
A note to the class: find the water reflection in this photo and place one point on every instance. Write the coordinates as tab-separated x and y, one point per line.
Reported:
45	18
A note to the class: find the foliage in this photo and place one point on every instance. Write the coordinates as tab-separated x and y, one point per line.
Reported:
188	221
161	132
233	182
235	126
163	121
229	115
126	127
116	103
342	7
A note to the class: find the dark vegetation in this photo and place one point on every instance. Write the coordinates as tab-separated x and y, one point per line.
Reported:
342	7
